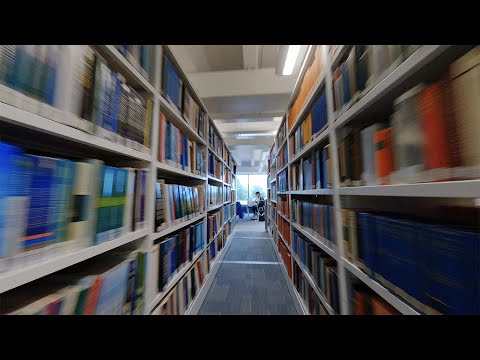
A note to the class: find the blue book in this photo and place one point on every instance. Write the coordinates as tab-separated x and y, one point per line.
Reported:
345	84
115	102
15	178
324	169
452	285
366	240
400	250
42	219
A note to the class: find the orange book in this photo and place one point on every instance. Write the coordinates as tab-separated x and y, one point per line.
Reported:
200	273
383	154
91	303
431	103
359	303
307	129
381	307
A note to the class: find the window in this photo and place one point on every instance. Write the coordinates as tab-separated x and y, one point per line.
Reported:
247	185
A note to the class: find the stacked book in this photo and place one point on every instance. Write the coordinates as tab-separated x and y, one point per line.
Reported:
284	206
429	137
284	229
74	85
194	114
282	181
175	203
113	285
312	125
312	73
214	195
140	56
176	150
286	257
51	205
172	84
364	67
178	300
215	142
321	267
177	251
318	218
214	224
313	171
215	166
429	265
308	294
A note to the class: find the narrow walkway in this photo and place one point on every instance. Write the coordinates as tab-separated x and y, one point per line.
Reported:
249	280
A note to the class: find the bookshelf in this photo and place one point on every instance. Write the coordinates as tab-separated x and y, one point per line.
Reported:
47	129
426	64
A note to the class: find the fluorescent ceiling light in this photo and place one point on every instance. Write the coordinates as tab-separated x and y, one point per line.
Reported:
292	55
257	134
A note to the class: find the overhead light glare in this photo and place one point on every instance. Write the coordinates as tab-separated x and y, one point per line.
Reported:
292	55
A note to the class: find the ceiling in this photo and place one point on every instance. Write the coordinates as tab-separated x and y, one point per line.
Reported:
242	93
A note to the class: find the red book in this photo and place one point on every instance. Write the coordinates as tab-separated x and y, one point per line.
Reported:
433	117
359	303
381	307
383	154
200	273
91	304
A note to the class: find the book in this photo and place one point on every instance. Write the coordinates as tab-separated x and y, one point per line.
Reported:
384	164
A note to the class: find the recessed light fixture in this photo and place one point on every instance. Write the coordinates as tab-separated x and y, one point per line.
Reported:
292	55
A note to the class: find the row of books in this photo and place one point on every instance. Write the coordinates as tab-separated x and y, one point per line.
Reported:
282	181
113	285
365	66
317	217
233	197
227	213
321	267
272	211
172	84
215	141
281	133
282	158
228	176
194	114
430	136
284	205
171	255
215	166
227	190
178	300
309	79
175	91
313	171
274	190
214	223
312	125
227	157
308	294
367	302
140	56
51	205
175	149
429	265
286	257
284	229
214	195
175	203
80	89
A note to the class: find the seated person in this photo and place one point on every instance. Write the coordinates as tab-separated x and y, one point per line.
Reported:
257	199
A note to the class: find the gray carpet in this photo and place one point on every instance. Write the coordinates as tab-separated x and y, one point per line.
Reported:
249	281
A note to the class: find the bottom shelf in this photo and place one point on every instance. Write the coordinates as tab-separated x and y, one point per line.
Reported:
389	297
299	303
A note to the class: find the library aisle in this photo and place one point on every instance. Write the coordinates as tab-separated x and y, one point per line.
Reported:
249	280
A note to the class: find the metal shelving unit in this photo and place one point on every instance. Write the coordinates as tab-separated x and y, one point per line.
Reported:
389	86
54	127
